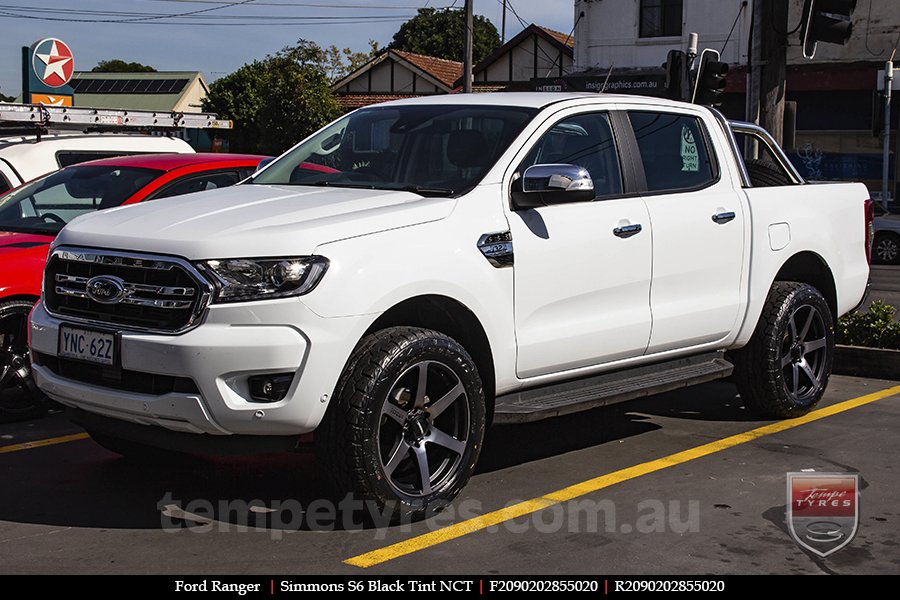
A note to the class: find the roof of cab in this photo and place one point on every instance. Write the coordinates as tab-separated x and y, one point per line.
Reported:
528	99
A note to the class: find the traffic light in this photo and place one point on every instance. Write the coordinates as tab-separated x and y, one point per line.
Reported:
710	79
827	21
677	76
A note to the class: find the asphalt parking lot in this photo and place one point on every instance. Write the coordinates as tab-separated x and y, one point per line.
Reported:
674	491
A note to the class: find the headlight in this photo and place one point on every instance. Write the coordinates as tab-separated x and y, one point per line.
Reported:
242	279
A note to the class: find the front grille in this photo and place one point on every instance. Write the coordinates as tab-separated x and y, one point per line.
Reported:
156	293
116	378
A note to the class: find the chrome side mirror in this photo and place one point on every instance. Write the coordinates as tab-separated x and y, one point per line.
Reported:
553	184
557	178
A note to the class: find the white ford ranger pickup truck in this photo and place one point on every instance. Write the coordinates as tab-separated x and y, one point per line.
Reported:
418	269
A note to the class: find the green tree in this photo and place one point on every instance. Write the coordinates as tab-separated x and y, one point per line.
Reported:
116	65
340	62
276	101
440	33
5	98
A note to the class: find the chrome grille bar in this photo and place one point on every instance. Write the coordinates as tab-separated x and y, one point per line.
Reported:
134	300
133	287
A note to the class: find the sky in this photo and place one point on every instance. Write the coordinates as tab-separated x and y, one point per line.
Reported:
228	33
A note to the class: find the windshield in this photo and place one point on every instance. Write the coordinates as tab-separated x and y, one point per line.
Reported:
45	205
438	150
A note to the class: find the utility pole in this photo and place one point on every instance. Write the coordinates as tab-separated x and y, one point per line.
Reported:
774	60
467	62
886	148
503	25
754	80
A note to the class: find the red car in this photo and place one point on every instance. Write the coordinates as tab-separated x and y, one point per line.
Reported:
32	214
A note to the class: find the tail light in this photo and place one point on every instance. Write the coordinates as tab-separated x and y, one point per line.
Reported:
870	228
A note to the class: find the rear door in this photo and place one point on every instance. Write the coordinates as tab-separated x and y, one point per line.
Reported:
698	221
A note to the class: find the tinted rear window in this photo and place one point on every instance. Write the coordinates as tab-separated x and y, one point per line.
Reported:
673	151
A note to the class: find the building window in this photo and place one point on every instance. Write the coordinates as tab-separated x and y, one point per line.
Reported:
660	18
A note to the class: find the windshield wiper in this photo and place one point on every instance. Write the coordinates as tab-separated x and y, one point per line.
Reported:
423	190
340	184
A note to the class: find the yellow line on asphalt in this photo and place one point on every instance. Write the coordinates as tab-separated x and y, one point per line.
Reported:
41	443
439	536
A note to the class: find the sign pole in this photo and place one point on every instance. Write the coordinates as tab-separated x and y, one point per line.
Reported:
886	147
467	60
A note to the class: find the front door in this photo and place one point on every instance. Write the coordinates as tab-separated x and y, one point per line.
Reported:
582	270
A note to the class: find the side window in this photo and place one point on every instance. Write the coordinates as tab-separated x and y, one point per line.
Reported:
584	140
673	151
198	183
4	184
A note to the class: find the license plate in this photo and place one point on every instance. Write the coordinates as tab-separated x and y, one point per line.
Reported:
88	345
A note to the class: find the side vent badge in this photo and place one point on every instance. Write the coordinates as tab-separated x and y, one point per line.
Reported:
497	248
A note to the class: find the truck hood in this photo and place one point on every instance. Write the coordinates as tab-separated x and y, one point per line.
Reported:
252	221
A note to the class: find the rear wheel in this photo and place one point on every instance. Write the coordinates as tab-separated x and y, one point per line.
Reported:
784	369
19	396
407	422
886	248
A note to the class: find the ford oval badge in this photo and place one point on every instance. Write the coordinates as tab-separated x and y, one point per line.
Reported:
106	289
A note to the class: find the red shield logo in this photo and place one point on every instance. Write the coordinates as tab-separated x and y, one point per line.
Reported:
52	62
823	510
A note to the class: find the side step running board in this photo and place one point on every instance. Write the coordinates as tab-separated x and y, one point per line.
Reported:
609	388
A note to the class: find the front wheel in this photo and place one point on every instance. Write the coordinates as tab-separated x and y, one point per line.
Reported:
407	422
784	370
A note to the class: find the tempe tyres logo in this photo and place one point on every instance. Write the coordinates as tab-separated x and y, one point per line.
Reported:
823	510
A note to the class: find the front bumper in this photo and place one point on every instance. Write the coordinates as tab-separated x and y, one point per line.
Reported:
234	342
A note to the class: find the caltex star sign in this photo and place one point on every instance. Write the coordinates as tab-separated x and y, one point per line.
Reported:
53	63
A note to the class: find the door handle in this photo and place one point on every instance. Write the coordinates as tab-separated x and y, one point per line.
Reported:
723	217
627	230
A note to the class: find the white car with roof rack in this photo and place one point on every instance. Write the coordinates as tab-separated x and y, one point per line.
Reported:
37	139
25	157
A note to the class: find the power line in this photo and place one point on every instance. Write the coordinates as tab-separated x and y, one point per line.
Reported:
733	25
525	25
69	15
146	17
61	11
311	4
273	23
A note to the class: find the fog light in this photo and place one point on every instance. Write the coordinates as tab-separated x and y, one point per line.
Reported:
270	388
